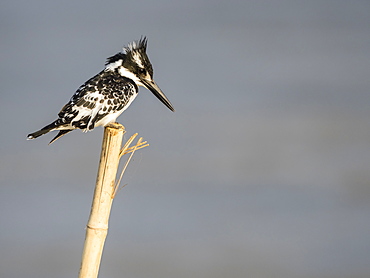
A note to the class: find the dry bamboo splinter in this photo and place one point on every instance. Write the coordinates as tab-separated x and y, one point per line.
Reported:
105	190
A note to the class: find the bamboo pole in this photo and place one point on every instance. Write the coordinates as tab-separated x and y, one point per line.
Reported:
97	226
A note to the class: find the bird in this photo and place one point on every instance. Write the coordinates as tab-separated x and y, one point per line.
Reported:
102	98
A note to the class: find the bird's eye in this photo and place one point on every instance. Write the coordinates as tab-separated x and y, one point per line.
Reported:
142	71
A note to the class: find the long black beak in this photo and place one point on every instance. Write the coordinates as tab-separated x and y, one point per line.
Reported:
153	87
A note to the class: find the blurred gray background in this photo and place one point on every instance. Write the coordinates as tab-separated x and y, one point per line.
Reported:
262	171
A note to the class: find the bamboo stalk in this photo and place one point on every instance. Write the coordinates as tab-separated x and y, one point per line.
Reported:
105	191
97	227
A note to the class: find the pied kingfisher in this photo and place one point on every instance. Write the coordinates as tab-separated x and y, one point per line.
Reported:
101	99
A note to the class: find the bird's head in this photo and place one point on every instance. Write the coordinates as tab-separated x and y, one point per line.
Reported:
133	63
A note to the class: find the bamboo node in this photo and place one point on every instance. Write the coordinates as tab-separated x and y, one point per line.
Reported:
97	227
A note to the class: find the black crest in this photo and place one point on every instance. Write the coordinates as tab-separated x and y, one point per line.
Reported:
135	46
139	45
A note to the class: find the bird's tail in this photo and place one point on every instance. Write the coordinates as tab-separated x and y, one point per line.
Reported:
42	131
48	128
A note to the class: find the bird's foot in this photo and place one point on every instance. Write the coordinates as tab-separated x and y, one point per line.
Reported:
115	125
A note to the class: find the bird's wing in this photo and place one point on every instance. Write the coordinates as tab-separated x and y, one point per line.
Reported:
83	106
100	96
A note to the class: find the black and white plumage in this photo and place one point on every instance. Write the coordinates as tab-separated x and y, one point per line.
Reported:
101	99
